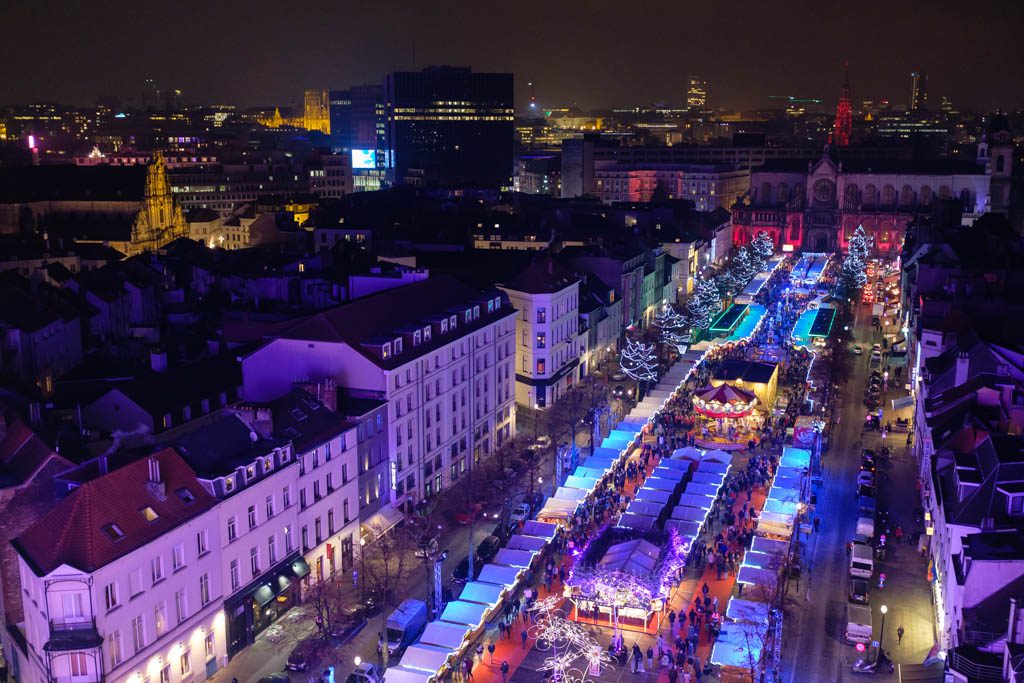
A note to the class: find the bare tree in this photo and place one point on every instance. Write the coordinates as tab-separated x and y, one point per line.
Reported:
326	600
386	563
568	413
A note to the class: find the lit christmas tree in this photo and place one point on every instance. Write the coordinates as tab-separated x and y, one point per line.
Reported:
726	284
704	304
742	267
763	248
639	361
852	274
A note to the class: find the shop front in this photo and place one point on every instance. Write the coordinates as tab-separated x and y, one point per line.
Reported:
251	610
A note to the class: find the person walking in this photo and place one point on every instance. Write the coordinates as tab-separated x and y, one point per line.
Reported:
480	652
650	658
637	658
490	651
522	636
504	671
899	635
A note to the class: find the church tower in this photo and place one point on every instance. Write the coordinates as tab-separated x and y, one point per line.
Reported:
1000	165
160	219
843	126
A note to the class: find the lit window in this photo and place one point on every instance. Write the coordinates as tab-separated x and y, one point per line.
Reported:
150	514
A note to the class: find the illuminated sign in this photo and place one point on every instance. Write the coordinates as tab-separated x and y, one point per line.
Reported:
364	158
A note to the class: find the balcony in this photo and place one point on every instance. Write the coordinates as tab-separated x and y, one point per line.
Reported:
976	665
73	634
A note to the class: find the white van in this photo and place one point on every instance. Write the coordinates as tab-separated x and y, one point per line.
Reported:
866	527
862	561
858	623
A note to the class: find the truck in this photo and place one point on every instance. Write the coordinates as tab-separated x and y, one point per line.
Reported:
862	562
405	625
858	623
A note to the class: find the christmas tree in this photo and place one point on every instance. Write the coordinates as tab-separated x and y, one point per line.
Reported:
763	248
852	275
704	304
638	361
742	267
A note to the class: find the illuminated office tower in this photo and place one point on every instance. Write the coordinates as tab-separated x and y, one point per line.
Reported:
697	94
449	126
918	90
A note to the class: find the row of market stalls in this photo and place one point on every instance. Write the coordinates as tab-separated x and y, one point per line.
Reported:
445	640
710	469
753	622
809	269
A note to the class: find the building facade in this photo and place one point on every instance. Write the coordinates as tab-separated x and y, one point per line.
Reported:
707	186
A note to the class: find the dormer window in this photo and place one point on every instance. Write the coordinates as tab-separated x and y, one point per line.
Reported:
185	495
417	338
497	303
467	317
476	313
385	350
452	322
250	472
229	484
149	514
444	325
490	306
398	346
426	333
113	532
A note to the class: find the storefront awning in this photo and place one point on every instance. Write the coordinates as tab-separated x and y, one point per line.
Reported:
300	568
381	522
263	595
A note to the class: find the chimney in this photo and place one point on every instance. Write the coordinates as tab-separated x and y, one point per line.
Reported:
963	363
1011	629
158	361
154	470
154	484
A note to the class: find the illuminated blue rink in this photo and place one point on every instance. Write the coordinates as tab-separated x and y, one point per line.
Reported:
749	322
802	328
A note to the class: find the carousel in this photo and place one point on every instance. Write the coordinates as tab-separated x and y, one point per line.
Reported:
728	416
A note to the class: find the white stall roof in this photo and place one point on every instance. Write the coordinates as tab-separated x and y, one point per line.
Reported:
633	557
484	593
769	545
638	420
668	473
621	435
795	457
532	527
688	453
653	496
695	500
558	509
401	675
674	465
499	575
461	612
643	507
689	514
747	610
782	506
661	483
567	493
757	576
786	481
597	462
704	477
783	493
631	427
606	452
776	519
718	456
586	483
514	558
520	542
712	466
631	520
754	558
789	472
733	648
686	529
697	488
426	658
588	472
444	634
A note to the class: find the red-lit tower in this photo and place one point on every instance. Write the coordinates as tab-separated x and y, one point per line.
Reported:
843	125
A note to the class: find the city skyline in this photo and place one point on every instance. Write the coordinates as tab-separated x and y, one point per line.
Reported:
649	63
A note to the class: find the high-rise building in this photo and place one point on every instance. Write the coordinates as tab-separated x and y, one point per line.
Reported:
697	94
450	126
918	90
843	125
316	112
358	126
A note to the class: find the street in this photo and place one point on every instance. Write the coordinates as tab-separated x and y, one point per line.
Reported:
816	618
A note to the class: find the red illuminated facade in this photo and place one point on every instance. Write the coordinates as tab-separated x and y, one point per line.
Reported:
843	126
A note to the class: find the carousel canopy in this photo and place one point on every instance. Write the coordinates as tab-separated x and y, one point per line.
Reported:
724	400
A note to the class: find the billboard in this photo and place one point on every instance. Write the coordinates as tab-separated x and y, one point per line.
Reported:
364	158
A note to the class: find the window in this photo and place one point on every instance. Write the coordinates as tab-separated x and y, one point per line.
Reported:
211	645
186	662
180	606
254	560
286	496
540	366
138	634
160	618
236	575
202	543
252	516
134	583
156	566
1016	505
330	521
72	606
270	507
272	549
79	664
114	646
302	499
289	542
232	528
178	558
165	674
113	532
110	596
542	340
344	511
542	315
204	589
149	514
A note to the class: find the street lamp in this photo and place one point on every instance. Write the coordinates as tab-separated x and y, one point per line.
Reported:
362	564
881	633
358	660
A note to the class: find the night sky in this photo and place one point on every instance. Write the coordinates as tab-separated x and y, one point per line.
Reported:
594	54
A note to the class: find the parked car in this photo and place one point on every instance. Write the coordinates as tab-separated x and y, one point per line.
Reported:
348	624
365	673
865	491
469	515
276	677
859	591
504	531
540	443
520	513
303	654
865	478
461	573
488	548
867	465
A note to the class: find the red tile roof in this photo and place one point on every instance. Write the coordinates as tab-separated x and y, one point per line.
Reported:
22	452
72	532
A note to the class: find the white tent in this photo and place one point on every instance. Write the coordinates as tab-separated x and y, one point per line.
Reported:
520	542
558	509
701	489
688	453
484	593
757	576
668	473
631	427
718	456
470	614
499	575
444	634
611	454
597	462
631	520
566	493
400	675
642	507
733	648
426	658
786	481
753	611
686	529
713	466
769	545
589	472
784	494
638	557
668	463
620	435
795	457
532	527
576	482
752	558
781	506
702	477
661	483
634	419
696	500
514	558
689	514
789	472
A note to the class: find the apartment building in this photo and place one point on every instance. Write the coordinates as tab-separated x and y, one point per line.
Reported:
548	343
438	352
121	580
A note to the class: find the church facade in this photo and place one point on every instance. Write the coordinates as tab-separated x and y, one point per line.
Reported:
816	205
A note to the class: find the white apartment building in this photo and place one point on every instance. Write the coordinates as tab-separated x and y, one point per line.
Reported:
549	345
438	352
122	580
